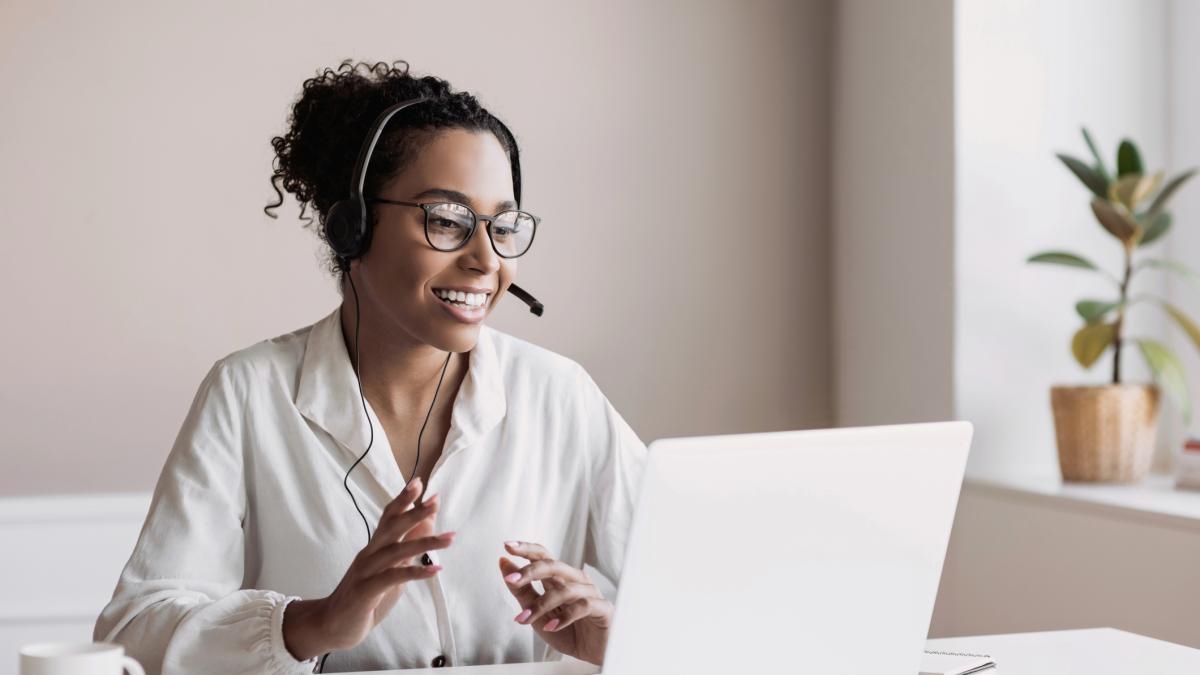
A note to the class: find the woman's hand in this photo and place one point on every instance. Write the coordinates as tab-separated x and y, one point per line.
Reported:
373	582
571	616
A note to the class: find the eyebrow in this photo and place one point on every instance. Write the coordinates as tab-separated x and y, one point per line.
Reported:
461	198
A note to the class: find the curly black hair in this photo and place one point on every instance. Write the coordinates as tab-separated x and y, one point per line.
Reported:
315	158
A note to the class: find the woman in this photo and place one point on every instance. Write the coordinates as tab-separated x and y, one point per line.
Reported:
255	559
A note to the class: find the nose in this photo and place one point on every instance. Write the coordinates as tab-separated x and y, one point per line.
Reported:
478	254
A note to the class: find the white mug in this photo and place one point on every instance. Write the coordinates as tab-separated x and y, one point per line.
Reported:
77	658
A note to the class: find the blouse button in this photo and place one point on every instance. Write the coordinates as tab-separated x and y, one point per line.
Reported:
439	661
426	560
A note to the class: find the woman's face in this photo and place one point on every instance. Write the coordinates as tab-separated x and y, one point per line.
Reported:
400	277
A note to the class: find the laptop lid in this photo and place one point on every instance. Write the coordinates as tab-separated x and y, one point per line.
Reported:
802	552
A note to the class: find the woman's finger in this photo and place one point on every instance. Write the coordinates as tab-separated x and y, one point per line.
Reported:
525	595
399	513
393	526
547	570
402	551
569	614
425	527
554	599
528	550
407	497
383	581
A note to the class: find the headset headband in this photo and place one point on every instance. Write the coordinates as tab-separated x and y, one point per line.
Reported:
368	147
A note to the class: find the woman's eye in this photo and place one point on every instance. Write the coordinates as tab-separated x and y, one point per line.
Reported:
446	224
502	231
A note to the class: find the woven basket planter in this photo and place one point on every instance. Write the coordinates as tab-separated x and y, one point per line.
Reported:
1105	433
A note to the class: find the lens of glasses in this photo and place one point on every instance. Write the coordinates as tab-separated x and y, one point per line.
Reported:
448	225
512	233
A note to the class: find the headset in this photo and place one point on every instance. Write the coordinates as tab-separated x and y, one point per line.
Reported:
348	231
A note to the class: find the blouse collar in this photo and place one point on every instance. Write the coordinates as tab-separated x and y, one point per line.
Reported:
328	396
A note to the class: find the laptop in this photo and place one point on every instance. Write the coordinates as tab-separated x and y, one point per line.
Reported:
789	552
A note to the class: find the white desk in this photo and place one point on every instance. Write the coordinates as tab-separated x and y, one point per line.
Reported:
1093	651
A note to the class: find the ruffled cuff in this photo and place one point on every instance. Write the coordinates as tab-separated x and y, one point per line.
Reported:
282	660
238	634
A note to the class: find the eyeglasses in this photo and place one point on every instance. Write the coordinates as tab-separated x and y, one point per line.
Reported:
450	225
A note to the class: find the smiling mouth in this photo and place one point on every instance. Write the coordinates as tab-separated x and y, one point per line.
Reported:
461	299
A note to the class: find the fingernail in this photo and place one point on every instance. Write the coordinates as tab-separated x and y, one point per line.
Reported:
551	625
513	578
414	483
434	568
523	616
512	544
430	499
447	535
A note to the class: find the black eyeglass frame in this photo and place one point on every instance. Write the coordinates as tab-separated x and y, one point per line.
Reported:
427	207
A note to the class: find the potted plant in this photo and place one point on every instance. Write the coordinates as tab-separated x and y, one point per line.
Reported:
1107	432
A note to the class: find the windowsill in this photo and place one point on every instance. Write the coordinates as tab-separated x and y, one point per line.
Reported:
1154	501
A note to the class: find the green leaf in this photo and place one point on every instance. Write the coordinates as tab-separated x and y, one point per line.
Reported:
1091	341
1129	160
1161	200
1118	224
1169	374
1188	326
1172	267
1101	170
1156	228
1093	311
1063	258
1094	182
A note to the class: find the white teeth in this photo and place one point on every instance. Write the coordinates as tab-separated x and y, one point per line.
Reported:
463	298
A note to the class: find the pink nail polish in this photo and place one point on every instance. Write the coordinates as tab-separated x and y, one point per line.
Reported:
523	616
551	625
513	578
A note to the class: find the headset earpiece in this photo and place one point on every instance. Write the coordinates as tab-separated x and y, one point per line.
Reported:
346	228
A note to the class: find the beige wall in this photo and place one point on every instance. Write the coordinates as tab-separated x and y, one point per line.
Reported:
1020	561
893	212
677	152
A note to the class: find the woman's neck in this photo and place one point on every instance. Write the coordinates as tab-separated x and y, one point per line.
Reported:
399	373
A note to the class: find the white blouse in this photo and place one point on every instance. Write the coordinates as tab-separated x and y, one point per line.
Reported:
250	513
